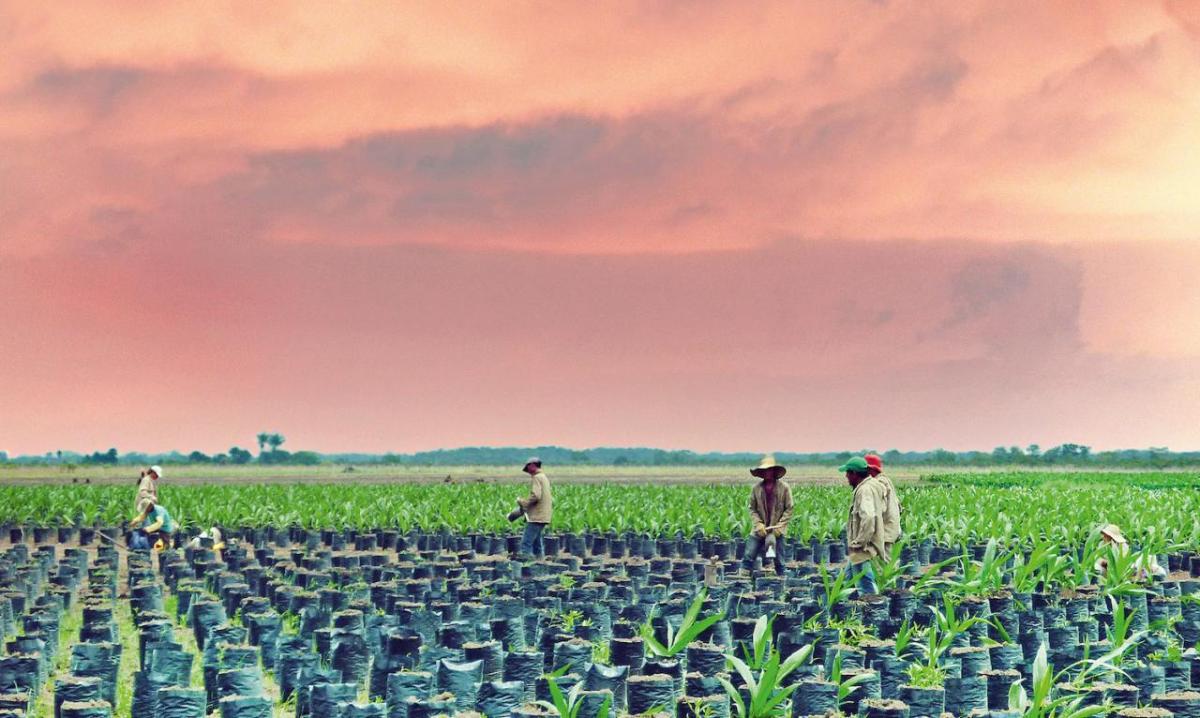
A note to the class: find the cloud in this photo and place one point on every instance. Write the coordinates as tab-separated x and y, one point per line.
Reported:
722	222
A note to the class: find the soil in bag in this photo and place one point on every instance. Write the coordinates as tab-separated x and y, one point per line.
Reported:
524	666
86	709
176	702
924	702
350	656
611	678
245	707
650	692
497	699
326	699
175	664
364	710
146	685
404	685
78	689
966	694
239	682
462	679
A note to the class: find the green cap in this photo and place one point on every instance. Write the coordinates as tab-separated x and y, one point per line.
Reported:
858	463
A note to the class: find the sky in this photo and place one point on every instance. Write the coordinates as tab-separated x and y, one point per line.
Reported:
716	226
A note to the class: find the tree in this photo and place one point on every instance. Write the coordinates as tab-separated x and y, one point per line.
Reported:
263	438
199	457
240	456
275	441
306	458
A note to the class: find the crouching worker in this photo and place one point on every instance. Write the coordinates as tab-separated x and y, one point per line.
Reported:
537	509
213	534
159	528
1145	567
770	512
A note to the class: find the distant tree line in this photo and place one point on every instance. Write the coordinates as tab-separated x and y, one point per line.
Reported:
270	452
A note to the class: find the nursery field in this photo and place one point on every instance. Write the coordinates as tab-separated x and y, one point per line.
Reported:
408	599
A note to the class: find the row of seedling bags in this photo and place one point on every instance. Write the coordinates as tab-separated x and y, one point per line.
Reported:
429	643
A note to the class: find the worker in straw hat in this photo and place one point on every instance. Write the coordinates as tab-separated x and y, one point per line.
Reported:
537	508
1146	566
770	511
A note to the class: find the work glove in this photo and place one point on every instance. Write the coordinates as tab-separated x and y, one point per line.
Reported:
760	531
780	531
515	514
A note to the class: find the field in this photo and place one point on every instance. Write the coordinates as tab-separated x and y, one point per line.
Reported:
397	592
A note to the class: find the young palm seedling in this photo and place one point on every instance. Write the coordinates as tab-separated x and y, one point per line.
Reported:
766	679
568	705
689	630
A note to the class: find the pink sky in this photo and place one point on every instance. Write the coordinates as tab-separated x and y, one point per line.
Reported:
719	226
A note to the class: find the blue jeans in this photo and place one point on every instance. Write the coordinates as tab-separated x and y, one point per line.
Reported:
866	582
756	546
139	541
531	540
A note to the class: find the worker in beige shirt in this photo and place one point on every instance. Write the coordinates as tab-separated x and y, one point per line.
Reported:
891	506
537	507
147	492
864	529
147	498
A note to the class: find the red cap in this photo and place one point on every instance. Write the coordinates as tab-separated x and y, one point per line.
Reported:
874	461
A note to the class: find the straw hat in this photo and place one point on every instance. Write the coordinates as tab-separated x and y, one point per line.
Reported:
768	462
1113	532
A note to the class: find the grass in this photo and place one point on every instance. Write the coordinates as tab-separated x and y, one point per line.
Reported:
127	634
1050	479
68	635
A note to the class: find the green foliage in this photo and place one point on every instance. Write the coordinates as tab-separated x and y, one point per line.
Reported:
568	705
689	630
766	676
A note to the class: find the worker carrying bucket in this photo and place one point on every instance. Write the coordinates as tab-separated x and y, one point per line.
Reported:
537	508
770	511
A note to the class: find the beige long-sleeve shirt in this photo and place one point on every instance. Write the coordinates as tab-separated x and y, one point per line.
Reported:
891	511
539	505
147	494
865	530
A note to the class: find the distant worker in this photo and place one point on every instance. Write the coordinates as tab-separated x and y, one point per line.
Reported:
147	492
537	509
891	508
158	528
865	532
213	534
1145	567
770	512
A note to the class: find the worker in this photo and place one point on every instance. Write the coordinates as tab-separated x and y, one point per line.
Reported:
537	508
865	530
891	507
147	492
158	530
770	512
213	533
1145	567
